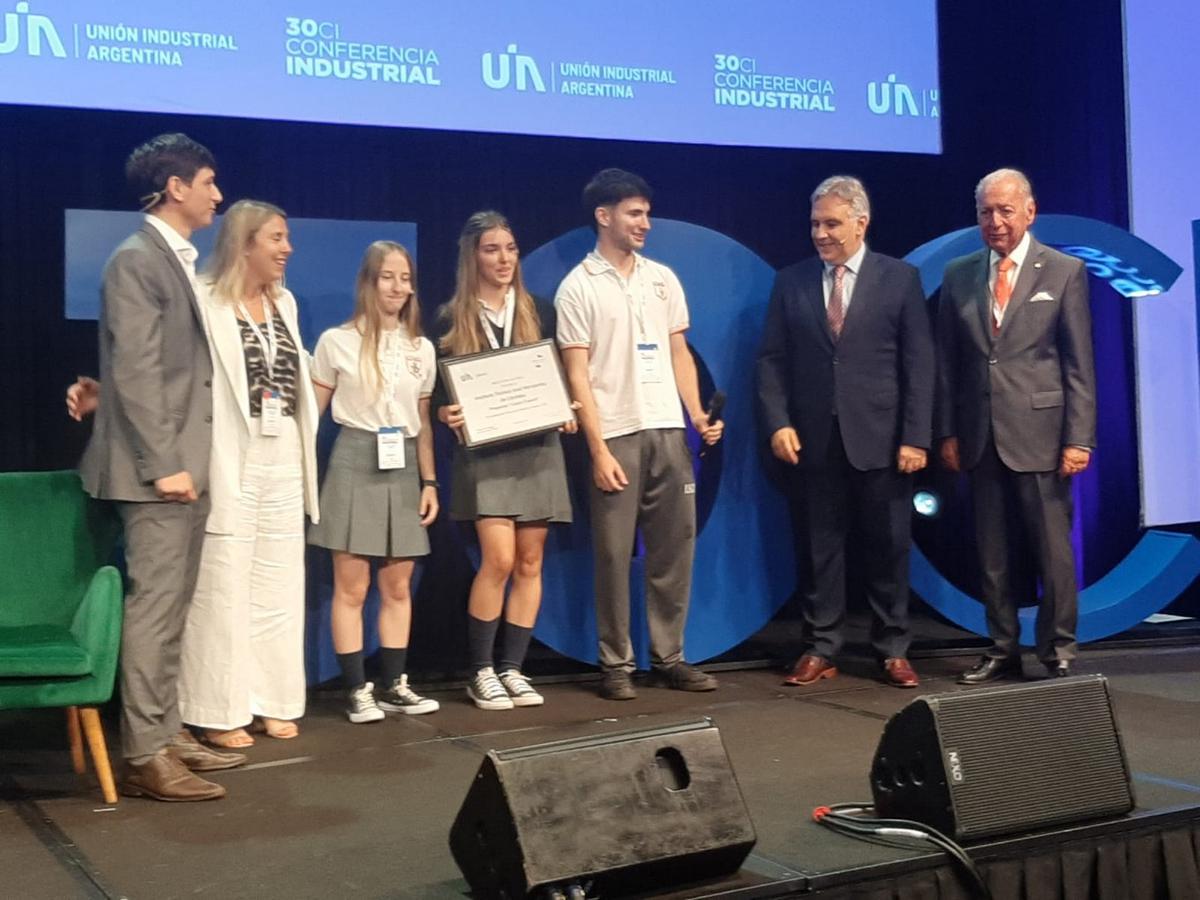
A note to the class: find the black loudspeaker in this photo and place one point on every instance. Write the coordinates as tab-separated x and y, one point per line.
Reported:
634	810
995	761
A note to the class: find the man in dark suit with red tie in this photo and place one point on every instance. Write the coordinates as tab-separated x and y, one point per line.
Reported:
845	388
1017	410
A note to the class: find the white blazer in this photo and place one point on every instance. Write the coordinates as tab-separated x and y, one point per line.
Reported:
231	410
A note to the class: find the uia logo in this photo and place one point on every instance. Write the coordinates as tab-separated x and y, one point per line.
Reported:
511	67
898	98
34	32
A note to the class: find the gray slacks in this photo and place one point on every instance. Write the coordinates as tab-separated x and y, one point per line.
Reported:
1044	503
660	500
162	554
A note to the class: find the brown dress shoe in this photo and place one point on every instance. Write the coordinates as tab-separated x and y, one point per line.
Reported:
810	669
897	672
164	777
199	758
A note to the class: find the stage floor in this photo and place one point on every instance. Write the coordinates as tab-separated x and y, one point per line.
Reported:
364	811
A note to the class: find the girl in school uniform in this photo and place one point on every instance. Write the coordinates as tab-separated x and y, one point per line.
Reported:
379	493
511	491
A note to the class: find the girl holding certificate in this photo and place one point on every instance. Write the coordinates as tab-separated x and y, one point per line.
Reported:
379	492
511	491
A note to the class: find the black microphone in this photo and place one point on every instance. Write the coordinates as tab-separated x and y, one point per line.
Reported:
716	406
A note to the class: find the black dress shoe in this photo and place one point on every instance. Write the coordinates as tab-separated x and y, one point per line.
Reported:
991	668
1059	669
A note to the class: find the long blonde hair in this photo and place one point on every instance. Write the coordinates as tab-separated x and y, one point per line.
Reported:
367	319
465	334
226	268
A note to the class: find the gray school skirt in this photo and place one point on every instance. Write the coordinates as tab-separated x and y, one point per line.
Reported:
525	480
366	510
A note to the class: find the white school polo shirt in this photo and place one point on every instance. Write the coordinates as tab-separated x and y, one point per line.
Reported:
408	375
619	320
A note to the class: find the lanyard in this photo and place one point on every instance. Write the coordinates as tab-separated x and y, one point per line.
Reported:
509	308
270	343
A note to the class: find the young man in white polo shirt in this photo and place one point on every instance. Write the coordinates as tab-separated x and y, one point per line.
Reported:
621	324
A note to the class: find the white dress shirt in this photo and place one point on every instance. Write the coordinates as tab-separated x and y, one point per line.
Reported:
184	249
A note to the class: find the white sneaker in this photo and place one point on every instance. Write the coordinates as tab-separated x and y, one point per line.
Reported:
361	706
401	698
487	691
519	690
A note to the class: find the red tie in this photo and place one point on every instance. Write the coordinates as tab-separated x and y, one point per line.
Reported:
1002	291
835	312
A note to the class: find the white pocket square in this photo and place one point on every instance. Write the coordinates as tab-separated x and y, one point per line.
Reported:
1040	296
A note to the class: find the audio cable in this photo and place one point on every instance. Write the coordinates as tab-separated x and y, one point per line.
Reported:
852	820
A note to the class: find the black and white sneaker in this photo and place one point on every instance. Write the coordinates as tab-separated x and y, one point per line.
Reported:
361	706
487	692
403	699
519	690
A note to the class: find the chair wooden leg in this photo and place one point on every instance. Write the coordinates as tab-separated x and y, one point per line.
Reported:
95	738
76	739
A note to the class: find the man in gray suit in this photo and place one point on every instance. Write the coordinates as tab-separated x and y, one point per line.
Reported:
1017	410
149	453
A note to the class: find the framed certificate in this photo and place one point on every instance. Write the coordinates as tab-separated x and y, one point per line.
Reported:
509	393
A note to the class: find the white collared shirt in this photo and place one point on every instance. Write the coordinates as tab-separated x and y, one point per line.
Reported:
1018	257
503	318
408	368
853	265
183	248
612	317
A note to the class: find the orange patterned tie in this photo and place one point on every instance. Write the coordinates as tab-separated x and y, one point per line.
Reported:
1002	291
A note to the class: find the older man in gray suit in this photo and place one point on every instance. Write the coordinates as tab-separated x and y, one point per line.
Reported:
1017	410
149	452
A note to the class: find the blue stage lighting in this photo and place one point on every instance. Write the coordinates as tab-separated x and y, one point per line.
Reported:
927	504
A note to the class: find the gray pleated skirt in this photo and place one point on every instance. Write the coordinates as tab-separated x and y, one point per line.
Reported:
525	480
366	510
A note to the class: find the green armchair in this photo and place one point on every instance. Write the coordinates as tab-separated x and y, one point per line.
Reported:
60	606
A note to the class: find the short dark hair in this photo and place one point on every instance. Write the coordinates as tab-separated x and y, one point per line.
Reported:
609	187
151	165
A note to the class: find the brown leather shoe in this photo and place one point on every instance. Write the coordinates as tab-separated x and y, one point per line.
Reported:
809	669
898	673
164	777
185	748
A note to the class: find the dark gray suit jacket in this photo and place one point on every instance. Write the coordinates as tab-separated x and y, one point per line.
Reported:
878	378
1032	386
155	415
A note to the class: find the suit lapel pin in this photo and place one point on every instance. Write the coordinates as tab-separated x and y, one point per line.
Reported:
1037	265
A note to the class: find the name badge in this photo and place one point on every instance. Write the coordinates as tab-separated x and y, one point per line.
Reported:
272	414
649	363
390	444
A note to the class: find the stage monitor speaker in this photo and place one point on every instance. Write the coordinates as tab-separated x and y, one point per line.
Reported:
996	761
635	810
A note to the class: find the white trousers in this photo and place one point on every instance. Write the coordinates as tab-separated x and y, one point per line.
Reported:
243	645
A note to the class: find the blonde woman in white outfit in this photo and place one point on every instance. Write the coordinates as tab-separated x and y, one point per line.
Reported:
243	647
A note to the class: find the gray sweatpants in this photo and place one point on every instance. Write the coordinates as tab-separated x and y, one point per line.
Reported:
660	500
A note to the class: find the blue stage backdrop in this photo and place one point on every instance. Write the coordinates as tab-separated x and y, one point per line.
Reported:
693	71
